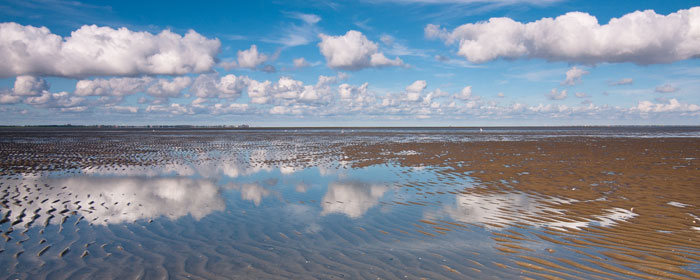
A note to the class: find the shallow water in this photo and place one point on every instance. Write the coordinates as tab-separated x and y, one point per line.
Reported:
575	203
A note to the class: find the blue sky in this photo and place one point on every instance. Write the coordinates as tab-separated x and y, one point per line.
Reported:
342	63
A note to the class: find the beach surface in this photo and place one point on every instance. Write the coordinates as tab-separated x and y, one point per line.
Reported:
408	203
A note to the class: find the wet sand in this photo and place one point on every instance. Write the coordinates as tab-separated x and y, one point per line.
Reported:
349	204
653	183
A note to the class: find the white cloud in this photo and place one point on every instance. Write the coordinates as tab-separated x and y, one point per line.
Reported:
234	108
94	51
353	51
258	91
38	100
350	92
673	105
641	37
387	39
124	109
306	18
111	87
210	85
251	58
35	91
581	95
29	86
280	110
666	88
556	95
465	93
287	88
294	109
7	98
228	65
164	88
173	109
63	100
287	92
297	35
625	81
417	86
414	90
301	62
573	76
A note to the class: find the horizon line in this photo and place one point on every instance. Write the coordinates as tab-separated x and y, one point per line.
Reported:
243	127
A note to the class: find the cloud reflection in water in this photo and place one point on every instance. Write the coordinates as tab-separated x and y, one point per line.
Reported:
503	209
105	200
351	198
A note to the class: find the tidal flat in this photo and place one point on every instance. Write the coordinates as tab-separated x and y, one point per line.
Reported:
404	203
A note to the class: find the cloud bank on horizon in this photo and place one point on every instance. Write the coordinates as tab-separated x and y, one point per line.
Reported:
638	67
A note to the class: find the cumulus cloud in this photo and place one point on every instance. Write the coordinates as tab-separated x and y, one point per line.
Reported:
111	87
29	86
123	109
465	93
556	95
641	37
251	58
35	91
258	91
64	101
350	92
95	51
414	90
282	110
234	108
287	91
210	85
8	98
625	81
173	109
353	51
666	88
573	76
288	88
164	88
581	95
673	105
301	63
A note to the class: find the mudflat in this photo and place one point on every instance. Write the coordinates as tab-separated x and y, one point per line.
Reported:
548	203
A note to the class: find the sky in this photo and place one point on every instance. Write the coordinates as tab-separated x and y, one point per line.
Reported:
350	63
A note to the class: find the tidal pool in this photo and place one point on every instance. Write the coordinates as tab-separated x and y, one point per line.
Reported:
343	203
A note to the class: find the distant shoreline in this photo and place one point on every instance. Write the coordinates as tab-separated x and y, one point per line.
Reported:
242	127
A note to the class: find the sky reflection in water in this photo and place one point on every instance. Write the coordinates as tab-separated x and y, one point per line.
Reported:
250	211
106	195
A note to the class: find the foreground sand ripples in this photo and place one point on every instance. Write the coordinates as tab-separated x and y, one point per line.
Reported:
278	204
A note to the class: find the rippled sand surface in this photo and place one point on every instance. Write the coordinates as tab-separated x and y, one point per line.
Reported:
542	203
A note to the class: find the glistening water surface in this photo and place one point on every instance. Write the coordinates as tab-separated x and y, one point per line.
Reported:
572	203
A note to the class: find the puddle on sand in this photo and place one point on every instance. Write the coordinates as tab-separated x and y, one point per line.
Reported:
367	204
